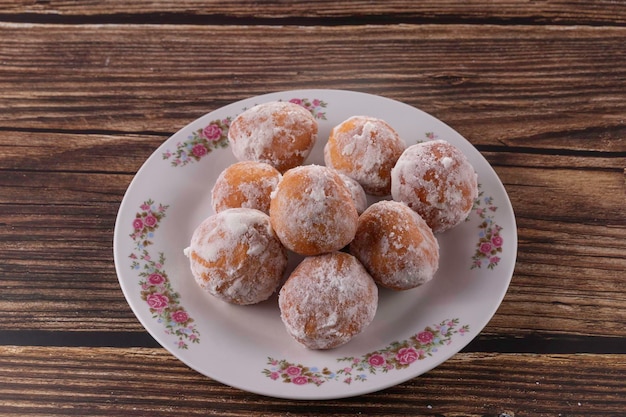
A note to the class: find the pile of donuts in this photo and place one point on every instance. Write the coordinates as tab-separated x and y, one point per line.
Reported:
269	204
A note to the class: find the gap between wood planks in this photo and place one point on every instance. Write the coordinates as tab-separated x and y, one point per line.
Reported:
154	18
531	343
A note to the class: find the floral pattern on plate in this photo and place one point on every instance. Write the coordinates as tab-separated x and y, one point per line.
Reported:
490	240
315	106
156	288
213	136
397	355
200	143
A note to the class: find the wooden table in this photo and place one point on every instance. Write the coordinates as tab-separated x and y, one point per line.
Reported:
88	90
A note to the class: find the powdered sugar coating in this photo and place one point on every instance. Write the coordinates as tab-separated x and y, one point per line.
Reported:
312	210
365	149
327	300
437	181
357	192
278	133
247	184
236	256
396	246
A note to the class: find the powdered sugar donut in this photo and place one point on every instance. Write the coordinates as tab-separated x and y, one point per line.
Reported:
365	149
396	246
236	256
327	300
437	181
312	210
245	184
278	133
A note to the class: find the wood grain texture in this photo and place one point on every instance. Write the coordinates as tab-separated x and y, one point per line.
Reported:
580	12
103	382
552	87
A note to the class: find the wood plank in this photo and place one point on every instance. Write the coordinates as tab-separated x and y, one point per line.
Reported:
567	195
106	381
514	86
72	152
572	250
581	12
125	153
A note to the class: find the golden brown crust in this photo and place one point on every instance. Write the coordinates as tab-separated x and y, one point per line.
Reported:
247	184
396	246
365	149
437	181
327	300
312	211
278	133
236	256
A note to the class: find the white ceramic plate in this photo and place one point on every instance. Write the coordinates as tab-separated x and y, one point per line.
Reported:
247	346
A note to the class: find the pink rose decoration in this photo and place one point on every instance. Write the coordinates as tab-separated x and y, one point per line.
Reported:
212	132
300	380
497	241
274	375
150	220
296	101
485	247
156	279
157	301
406	356
293	371
199	150
138	224
180	316
376	360
425	337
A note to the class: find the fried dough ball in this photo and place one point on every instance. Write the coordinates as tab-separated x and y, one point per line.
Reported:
236	256
312	210
327	300
278	133
396	246
365	149
437	181
245	184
